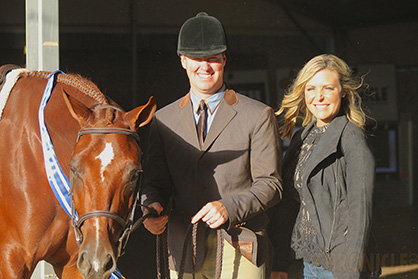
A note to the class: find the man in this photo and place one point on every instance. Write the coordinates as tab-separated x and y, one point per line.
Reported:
221	175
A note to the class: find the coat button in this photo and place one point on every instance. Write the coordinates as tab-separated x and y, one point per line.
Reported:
240	225
201	161
201	188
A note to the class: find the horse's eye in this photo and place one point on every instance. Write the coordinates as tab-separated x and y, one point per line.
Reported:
133	182
74	172
136	174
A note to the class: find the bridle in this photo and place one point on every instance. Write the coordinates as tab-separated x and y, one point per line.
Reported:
127	225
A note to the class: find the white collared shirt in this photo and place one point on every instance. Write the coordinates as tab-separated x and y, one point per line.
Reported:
212	104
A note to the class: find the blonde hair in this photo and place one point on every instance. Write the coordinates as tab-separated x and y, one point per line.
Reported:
293	103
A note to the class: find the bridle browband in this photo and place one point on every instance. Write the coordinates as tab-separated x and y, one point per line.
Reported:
127	225
108	130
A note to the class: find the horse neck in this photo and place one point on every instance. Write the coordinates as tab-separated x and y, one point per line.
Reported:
62	127
84	90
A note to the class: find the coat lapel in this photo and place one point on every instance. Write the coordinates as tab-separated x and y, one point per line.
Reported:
186	119
225	113
223	116
327	144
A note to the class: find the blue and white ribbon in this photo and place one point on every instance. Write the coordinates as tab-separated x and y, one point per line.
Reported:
56	177
57	180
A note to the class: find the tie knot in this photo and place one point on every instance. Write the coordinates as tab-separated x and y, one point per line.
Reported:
202	106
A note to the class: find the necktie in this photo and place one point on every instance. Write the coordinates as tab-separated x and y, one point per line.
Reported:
201	124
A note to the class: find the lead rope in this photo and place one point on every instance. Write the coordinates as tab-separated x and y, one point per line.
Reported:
192	232
165	254
219	253
162	245
161	242
157	248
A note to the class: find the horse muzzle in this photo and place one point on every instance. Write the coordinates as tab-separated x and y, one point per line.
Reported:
96	260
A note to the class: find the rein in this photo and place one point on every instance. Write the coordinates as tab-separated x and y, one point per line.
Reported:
191	232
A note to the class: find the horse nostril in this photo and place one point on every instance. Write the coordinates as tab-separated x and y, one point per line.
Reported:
82	264
110	266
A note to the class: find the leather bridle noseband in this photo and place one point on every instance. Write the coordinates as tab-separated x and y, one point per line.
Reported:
127	225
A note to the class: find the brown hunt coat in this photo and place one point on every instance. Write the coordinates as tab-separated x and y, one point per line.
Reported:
237	165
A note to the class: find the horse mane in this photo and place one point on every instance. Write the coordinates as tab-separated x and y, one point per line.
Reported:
84	85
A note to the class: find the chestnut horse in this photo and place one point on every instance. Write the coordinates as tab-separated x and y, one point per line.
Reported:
95	141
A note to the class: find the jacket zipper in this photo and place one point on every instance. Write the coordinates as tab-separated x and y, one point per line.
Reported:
328	250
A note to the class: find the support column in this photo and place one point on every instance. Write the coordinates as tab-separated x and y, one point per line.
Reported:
43	270
42	34
42	53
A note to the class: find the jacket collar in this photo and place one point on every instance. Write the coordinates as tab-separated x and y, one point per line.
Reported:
225	113
230	98
333	132
327	145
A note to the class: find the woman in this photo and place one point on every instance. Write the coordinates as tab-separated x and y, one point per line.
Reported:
331	167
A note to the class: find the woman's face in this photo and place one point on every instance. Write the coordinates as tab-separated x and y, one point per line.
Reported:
323	96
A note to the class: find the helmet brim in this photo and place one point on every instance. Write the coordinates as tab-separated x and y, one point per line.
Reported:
201	53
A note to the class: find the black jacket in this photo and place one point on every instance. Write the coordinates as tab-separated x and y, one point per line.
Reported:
337	188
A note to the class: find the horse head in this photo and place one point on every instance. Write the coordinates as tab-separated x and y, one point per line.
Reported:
105	172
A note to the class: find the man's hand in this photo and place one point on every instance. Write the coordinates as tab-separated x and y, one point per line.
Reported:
213	213
155	225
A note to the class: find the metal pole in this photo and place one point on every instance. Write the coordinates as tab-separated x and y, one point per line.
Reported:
43	270
42	53
42	33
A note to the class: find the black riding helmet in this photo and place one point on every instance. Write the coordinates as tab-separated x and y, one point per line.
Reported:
200	36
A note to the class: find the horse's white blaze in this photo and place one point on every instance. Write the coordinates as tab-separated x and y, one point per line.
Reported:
96	266
95	263
106	157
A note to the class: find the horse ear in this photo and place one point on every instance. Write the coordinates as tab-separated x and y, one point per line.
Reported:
77	109
142	115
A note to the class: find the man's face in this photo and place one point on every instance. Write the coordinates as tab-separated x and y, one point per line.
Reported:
205	73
